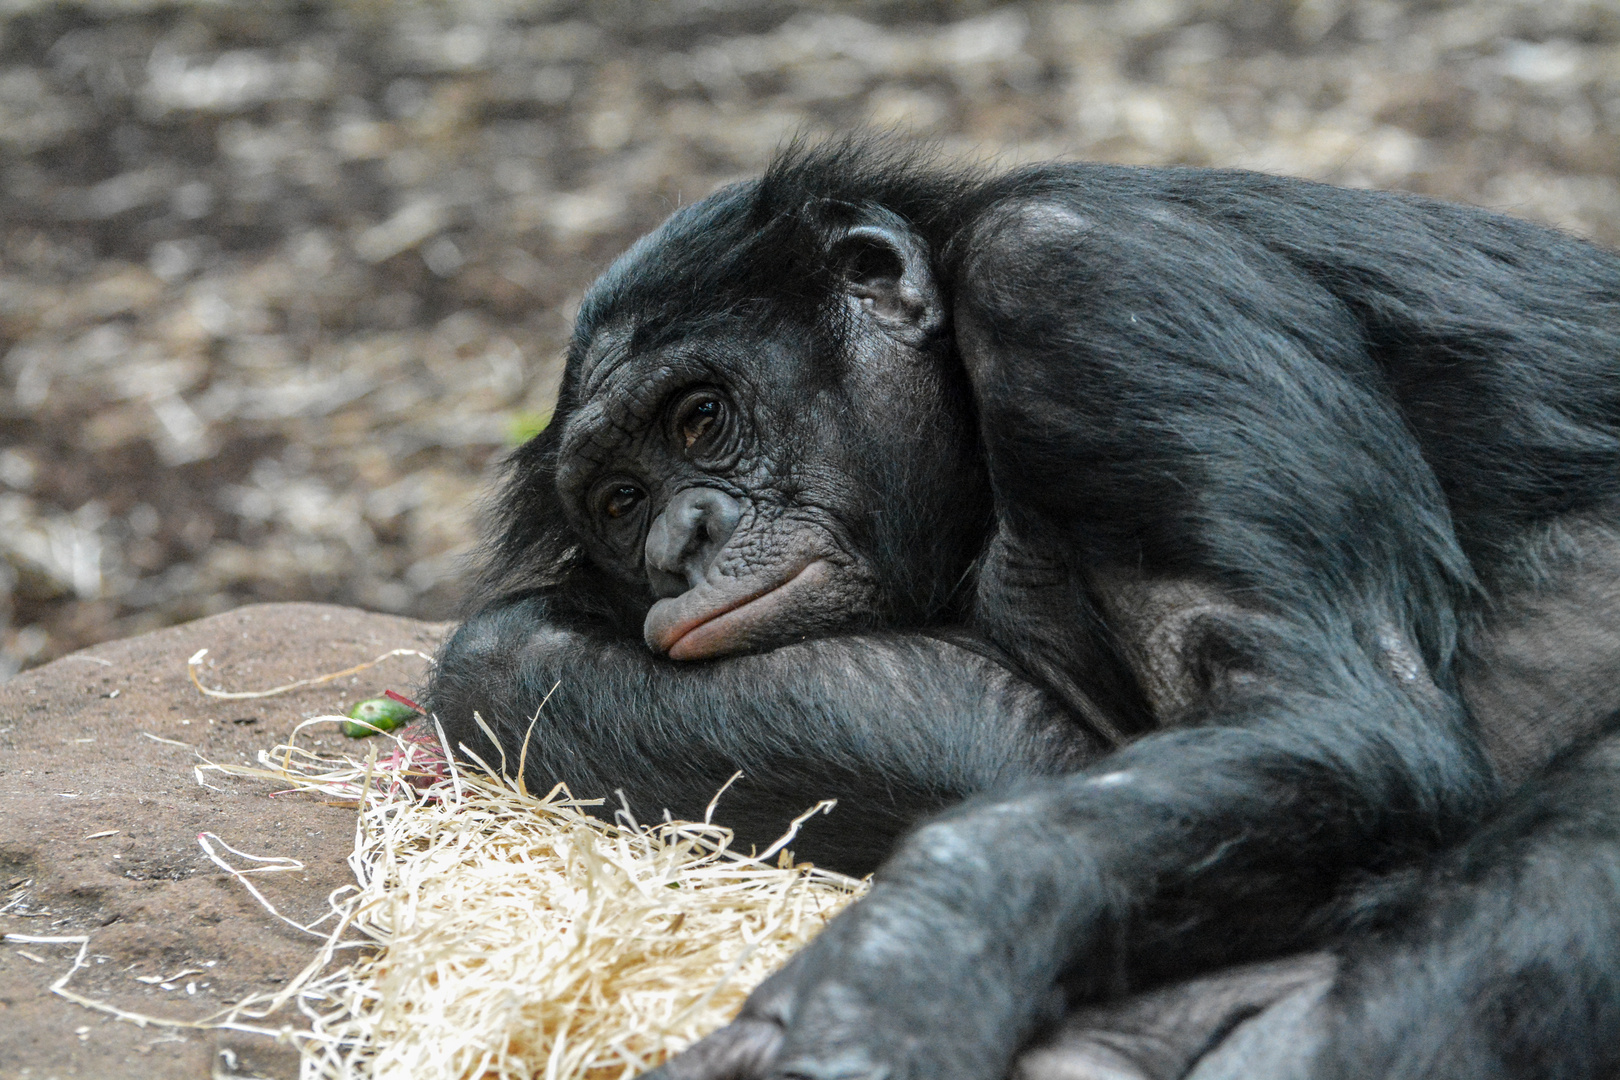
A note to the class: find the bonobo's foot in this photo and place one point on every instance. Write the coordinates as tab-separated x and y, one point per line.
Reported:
1248	1021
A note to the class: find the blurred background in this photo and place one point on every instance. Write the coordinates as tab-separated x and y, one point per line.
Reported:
280	281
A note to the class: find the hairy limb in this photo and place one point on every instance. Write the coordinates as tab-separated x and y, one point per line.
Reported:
1183	852
1498	960
1502	959
894	726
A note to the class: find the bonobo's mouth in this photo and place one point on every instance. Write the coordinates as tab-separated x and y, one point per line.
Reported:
732	624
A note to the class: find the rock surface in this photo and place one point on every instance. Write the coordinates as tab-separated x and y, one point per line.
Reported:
99	825
100	812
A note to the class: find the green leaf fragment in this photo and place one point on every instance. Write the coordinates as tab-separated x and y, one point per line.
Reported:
377	714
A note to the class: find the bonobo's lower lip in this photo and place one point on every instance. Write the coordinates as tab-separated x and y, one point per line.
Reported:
725	628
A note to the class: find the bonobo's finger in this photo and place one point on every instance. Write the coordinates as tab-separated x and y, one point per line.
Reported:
742	1050
1159	1035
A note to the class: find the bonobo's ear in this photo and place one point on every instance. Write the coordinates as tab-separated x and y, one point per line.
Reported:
887	276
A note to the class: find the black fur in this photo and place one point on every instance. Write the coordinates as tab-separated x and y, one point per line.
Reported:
1179	514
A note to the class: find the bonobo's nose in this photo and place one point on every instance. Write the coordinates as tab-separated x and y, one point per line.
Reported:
686	536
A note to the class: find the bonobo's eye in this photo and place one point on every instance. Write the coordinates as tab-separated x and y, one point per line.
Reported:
700	419
620	499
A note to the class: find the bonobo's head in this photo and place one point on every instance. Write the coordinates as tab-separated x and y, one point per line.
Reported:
764	432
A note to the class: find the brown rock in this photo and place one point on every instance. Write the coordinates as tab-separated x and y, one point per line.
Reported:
99	827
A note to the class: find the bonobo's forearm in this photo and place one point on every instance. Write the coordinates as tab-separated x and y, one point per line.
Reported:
1213	837
894	726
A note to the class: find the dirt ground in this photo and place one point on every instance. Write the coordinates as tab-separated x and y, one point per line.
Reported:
279	280
100	813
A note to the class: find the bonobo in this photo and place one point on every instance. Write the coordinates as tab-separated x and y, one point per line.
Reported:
1166	569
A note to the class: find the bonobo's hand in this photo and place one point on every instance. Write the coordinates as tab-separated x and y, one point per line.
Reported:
1215	1027
897	987
941	972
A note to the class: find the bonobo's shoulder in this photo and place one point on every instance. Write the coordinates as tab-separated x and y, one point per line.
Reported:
1021	212
1023	219
1062	195
1105	183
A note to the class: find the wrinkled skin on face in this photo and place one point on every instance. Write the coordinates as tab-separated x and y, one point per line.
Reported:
745	482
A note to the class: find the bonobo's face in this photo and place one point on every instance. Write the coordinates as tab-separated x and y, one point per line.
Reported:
768	477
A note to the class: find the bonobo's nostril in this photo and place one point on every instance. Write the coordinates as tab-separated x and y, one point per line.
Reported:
686	535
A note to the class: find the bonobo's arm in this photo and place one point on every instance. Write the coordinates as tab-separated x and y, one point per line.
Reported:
894	726
1184	852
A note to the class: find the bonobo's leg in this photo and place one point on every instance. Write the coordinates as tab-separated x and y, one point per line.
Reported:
1504	959
1194	417
1411	998
894	726
1500	960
